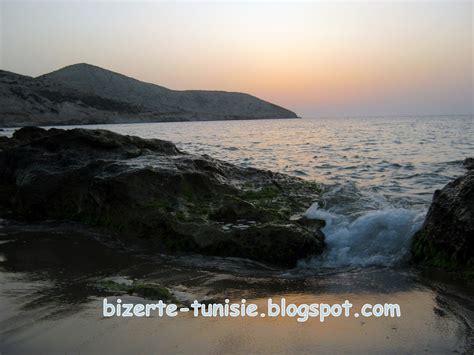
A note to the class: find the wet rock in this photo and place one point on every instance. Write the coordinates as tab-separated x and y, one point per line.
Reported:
446	239
149	191
147	290
469	163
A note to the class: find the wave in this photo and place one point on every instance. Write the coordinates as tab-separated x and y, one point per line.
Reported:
380	237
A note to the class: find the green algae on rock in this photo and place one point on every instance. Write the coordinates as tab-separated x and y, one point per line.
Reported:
147	290
446	239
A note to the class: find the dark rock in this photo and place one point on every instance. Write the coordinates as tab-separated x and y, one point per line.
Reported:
446	239
4	142
147	190
468	163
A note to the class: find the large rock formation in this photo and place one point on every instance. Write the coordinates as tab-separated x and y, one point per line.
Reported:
446	239
83	93
149	191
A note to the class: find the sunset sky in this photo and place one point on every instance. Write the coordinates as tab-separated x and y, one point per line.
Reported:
316	58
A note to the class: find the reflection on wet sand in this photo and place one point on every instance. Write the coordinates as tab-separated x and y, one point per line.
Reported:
50	301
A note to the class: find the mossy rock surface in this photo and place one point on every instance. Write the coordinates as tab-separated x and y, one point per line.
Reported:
446	239
147	290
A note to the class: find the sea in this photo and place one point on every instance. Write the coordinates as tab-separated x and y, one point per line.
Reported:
378	176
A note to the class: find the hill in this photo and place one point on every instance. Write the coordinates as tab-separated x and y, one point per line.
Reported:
87	94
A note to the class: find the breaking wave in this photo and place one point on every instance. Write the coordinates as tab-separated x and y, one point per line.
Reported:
380	237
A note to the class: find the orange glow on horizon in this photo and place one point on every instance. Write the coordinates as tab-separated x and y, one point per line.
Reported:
379	56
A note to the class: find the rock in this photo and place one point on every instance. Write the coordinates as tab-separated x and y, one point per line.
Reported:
147	290
446	238
469	163
4	142
149	191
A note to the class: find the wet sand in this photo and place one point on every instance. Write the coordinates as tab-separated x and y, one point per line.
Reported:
49	302
419	329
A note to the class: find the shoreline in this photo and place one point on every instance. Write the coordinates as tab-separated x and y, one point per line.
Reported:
56	273
44	295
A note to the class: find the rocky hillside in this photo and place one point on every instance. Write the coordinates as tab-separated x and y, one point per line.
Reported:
83	93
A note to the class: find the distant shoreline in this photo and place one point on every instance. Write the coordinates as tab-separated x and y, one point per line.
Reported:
146	122
235	119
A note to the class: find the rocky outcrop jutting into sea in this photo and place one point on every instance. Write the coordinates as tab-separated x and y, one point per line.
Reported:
150	193
446	239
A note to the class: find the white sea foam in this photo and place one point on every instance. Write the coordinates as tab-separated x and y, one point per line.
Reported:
375	238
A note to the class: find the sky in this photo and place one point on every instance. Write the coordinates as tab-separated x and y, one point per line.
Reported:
317	58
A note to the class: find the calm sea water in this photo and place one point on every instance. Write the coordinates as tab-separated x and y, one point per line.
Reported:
379	174
400	159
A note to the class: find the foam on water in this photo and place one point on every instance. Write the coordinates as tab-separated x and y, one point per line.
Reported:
379	237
